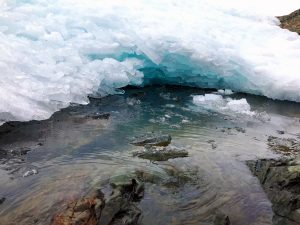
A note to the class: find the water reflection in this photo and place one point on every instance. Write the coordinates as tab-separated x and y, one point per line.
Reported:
75	153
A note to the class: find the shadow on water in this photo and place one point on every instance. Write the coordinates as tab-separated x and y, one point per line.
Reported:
81	147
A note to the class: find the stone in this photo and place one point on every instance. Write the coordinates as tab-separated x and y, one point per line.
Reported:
118	208
153	139
99	116
291	21
285	146
2	200
281	183
221	219
154	153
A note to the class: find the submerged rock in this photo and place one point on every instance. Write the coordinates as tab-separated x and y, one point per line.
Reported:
285	146
280	131
118	208
2	200
99	116
153	139
221	219
155	153
281	181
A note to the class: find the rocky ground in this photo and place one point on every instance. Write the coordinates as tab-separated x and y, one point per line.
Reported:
280	179
291	21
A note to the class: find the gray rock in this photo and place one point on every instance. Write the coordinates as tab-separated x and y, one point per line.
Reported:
154	153
281	182
99	116
153	139
2	200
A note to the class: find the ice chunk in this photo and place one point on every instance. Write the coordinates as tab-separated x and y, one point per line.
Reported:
225	92
30	172
217	103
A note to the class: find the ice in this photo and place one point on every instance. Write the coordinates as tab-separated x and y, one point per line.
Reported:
224	105
57	52
225	92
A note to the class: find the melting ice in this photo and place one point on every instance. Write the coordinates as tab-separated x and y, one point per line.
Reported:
226	105
57	52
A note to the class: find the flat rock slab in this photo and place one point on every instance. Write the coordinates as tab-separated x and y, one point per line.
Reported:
153	139
155	153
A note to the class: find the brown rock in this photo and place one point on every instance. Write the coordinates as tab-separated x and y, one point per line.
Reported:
291	21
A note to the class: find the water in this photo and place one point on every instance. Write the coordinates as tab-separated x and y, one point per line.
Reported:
74	154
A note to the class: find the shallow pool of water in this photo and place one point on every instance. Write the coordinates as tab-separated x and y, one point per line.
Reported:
74	153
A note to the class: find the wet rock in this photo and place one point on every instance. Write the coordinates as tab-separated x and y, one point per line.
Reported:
285	146
139	94
2	200
3	153
221	219
155	153
280	179
85	211
118	208
99	116
153	139
280	132
124	184
240	129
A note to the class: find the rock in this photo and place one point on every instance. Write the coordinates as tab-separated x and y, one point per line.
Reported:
153	139
118	208
154	153
221	219
99	116
281	182
214	146
291	21
240	129
3	153
280	132
133	186
82	211
285	146
2	200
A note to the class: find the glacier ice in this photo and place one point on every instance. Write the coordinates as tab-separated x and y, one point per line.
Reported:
57	52
224	105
